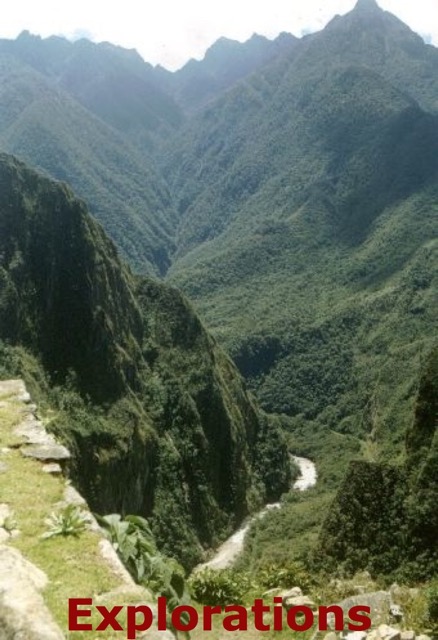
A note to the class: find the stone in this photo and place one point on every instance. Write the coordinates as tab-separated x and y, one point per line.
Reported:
423	637
407	635
46	452
23	613
24	397
53	468
72	496
33	432
378	601
331	636
291	593
298	601
3	467
4	535
385	632
111	558
355	635
396	612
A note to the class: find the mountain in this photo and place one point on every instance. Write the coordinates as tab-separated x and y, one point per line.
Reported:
156	415
392	527
113	83
225	63
307	201
45	126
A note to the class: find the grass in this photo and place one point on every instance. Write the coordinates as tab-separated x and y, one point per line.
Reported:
218	632
73	564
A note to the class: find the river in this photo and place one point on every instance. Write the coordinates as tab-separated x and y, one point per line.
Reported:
230	550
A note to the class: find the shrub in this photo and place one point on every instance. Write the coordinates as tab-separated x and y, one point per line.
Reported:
219	588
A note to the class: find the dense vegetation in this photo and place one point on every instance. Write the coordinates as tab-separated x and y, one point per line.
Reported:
290	190
393	509
156	414
310	248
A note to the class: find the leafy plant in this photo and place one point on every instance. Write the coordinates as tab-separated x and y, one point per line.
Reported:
134	542
70	521
291	575
220	587
432	604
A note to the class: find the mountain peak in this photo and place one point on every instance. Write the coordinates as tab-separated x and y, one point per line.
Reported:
366	5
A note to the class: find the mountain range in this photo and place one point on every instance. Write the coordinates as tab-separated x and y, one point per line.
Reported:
289	188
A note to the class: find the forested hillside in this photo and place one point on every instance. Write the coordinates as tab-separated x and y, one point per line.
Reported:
289	188
45	125
156	414
308	207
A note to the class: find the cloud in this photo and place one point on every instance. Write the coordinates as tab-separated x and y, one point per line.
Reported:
173	31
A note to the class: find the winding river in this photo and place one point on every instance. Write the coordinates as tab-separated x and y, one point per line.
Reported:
229	551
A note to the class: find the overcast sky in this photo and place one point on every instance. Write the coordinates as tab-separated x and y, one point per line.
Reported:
170	32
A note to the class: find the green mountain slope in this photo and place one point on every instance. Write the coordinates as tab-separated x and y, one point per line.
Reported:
113	83
308	216
225	63
385	518
45	126
155	413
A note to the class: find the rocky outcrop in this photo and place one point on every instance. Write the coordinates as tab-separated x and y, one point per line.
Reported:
23	613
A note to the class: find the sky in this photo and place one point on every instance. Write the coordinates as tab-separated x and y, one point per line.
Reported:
170	32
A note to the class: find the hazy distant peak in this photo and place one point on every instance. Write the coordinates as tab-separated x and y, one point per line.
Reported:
367	5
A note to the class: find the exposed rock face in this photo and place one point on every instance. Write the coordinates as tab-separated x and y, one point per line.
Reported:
23	614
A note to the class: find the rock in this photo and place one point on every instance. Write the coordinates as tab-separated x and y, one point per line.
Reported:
396	612
331	636
29	409
52	467
110	556
424	637
24	397
71	496
23	614
385	632
3	467
378	601
46	452
34	432
291	593
298	601
355	635
4	535
407	635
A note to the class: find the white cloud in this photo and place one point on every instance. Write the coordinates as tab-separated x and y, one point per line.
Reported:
171	31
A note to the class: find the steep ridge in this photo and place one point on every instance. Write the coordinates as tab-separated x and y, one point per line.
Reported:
115	84
225	63
50	129
156	415
310	248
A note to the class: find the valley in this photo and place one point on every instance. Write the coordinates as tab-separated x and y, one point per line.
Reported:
215	279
